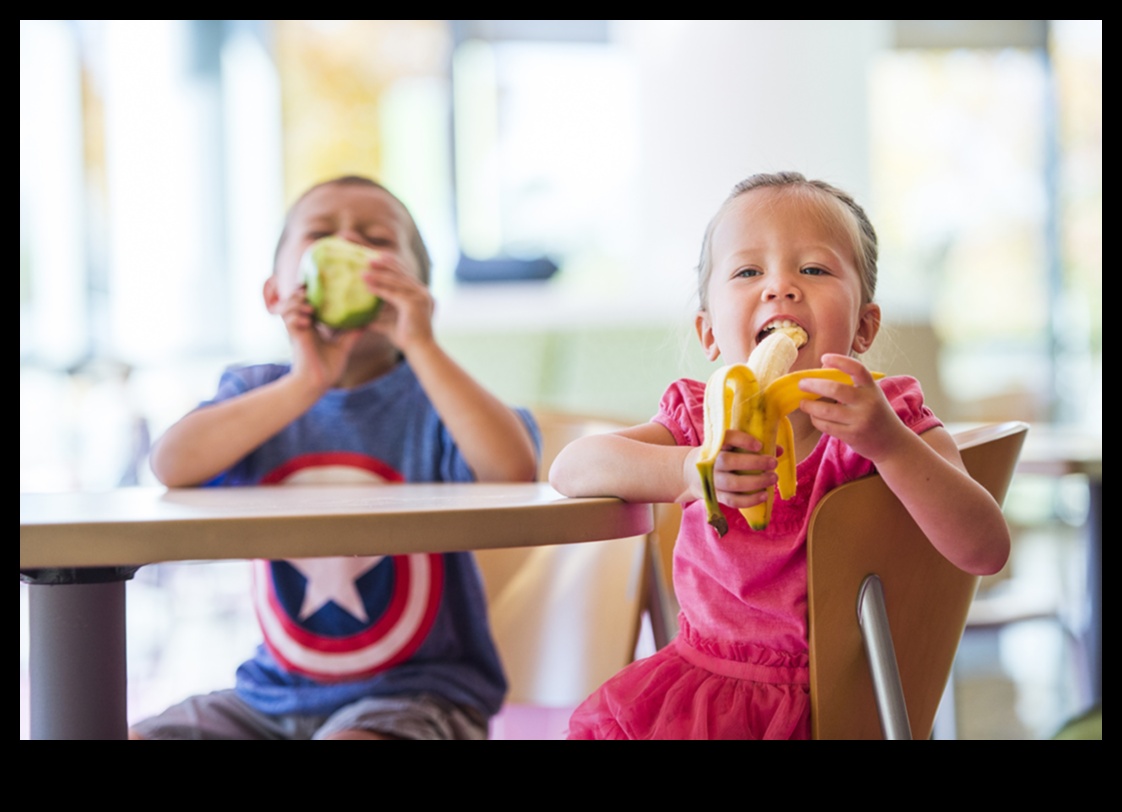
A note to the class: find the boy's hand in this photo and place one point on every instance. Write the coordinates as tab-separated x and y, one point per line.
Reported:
492	439
406	314
317	357
858	415
741	474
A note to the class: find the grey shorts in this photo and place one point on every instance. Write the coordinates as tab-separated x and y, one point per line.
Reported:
224	716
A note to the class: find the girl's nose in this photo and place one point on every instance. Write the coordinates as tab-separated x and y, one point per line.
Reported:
782	286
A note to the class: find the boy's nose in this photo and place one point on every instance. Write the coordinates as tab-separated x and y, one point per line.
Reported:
350	235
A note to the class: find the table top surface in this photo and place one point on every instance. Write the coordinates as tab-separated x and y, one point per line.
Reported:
136	526
1052	450
1056	450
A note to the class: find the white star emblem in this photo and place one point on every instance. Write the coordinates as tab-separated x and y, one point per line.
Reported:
332	580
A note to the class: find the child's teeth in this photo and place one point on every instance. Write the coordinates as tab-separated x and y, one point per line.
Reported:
793	331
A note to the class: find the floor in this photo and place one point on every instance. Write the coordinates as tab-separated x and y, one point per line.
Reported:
1017	682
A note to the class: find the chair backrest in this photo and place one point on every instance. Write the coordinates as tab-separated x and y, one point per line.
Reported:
861	529
558	429
564	618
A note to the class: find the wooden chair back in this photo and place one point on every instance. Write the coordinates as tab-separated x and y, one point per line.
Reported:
564	618
861	529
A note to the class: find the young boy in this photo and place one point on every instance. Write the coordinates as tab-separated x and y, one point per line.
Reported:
384	403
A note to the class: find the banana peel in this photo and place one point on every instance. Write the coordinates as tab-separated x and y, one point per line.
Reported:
734	399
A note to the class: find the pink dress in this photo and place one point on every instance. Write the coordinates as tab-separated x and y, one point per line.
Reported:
739	666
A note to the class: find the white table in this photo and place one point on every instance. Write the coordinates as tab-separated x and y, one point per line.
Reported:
1060	451
77	550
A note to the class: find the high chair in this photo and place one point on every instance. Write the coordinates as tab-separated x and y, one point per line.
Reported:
564	618
886	610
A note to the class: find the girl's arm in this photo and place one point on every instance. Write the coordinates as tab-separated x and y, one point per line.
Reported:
492	438
644	464
926	472
958	515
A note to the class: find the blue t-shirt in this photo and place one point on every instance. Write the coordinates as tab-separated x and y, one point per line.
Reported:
338	630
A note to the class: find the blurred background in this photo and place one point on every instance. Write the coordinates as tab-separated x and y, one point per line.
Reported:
562	172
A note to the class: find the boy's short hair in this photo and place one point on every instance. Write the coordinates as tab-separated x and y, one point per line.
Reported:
416	244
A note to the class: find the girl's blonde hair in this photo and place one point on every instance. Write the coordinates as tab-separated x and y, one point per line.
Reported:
837	208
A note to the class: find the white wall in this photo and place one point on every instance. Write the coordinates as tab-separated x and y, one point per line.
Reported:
724	99
718	100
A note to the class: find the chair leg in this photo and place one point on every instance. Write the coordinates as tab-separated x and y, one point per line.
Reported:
946	718
872	616
660	606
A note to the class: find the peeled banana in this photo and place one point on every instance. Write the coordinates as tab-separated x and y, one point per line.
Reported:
757	397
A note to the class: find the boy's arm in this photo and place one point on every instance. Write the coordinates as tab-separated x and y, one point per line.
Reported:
961	518
212	438
492	438
494	442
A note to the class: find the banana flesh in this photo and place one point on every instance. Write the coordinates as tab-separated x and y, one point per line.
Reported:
757	397
774	355
778	354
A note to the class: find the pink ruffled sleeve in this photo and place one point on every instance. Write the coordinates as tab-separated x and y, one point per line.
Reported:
682	411
906	397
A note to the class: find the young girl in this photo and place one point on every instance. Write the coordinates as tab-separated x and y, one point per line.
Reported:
782	251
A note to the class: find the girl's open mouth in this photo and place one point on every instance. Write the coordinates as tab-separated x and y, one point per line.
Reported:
795	332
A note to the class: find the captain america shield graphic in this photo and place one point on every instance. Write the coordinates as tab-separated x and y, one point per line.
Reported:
335	619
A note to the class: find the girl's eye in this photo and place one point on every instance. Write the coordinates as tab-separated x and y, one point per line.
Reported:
815	271
746	273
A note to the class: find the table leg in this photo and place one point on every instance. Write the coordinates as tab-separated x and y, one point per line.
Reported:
77	651
1095	589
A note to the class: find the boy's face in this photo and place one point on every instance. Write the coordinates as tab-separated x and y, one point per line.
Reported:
361	214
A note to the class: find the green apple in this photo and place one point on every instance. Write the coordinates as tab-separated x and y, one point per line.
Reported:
332	270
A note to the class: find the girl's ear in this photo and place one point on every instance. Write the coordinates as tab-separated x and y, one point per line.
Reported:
271	294
867	328
705	333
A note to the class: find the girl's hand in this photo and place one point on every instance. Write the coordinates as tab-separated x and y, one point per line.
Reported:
858	415
318	357
741	474
406	315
